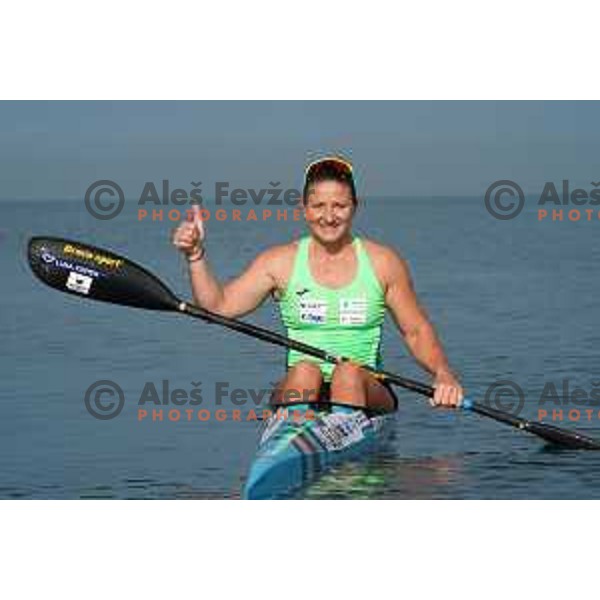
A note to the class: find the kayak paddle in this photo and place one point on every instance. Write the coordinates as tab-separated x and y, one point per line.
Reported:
91	272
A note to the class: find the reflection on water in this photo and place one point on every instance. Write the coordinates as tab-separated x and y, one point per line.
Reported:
382	477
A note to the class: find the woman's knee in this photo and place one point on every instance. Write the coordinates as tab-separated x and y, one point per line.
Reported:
301	384
306	371
347	373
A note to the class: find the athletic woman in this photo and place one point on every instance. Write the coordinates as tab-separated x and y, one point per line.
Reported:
333	289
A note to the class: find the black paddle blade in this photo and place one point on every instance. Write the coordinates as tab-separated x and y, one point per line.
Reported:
90	272
556	436
561	437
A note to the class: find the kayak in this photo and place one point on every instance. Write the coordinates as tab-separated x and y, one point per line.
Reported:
298	448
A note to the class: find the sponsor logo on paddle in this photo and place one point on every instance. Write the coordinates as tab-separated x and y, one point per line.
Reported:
79	283
102	260
61	263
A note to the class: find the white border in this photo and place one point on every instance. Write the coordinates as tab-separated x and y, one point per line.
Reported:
310	50
274	50
325	549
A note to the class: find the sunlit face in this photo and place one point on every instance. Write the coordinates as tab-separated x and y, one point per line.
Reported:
329	210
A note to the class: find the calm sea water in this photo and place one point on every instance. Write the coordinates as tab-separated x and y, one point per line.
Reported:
512	300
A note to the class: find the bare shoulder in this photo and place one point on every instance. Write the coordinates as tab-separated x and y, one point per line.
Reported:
278	261
388	263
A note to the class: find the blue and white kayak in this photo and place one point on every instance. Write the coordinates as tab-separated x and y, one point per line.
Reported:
296	449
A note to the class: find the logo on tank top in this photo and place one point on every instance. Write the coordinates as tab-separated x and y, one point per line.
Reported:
312	311
353	311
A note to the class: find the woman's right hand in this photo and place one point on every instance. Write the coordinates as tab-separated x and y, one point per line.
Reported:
188	238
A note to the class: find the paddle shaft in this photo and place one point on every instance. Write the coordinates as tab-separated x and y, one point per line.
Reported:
548	432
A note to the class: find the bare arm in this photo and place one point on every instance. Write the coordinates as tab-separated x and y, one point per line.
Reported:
417	330
240	295
236	298
412	320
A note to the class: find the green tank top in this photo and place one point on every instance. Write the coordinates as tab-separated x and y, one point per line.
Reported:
345	321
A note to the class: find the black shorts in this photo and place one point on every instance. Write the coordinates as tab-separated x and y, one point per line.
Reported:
325	397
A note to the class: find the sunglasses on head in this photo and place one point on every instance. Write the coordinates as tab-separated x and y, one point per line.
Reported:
332	164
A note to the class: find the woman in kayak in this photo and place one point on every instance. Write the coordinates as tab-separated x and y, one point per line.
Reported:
333	289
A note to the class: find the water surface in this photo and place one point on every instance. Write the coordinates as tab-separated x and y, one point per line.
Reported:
512	300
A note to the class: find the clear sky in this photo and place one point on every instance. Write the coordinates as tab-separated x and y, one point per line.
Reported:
57	149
